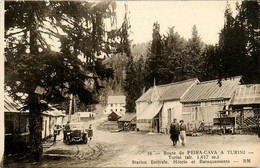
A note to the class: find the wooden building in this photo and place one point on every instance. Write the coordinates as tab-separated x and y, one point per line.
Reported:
50	118
130	119
204	100
246	97
86	116
244	106
114	116
17	124
157	107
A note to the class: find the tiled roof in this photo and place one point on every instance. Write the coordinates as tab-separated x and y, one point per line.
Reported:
115	99
128	117
212	90
170	91
246	94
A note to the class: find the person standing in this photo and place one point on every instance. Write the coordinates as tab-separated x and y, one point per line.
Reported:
182	132
66	129
90	132
56	132
174	131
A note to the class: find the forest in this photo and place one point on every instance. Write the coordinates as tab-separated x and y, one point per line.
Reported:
171	58
93	61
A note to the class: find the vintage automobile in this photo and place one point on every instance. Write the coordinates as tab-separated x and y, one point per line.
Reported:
76	133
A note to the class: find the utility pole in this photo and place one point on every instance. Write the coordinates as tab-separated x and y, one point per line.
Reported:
70	108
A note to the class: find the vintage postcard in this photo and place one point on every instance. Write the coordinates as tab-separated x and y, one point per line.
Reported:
130	84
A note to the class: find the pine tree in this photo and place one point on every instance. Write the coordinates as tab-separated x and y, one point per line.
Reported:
248	20
232	45
194	53
175	57
238	43
30	63
154	58
133	74
210	66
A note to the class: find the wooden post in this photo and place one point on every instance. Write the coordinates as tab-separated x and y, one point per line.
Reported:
241	119
70	108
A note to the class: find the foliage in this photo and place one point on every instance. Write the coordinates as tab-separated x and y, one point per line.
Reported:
195	48
175	64
232	45
154	57
171	58
210	66
133	73
30	61
238	43
139	49
134	82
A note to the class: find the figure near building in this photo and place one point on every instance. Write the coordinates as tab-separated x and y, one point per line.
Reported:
174	131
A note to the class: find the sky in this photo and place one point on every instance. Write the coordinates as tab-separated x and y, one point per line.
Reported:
208	16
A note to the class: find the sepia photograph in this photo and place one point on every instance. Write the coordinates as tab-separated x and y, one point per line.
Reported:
129	83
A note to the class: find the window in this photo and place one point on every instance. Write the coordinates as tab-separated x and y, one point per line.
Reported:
111	105
121	109
169	116
116	109
195	113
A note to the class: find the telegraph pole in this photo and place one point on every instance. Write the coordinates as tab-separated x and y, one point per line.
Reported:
70	108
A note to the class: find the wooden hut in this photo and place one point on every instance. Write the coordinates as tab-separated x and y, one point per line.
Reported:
129	119
157	107
204	100
17	124
114	116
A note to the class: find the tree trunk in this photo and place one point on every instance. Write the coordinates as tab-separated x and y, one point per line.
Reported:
35	127
35	119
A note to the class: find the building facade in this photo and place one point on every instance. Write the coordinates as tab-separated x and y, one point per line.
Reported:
204	100
157	107
115	104
17	124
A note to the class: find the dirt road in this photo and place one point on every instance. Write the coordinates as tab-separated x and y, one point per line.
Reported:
108	149
128	149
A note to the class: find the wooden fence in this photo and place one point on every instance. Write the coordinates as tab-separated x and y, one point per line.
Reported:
244	118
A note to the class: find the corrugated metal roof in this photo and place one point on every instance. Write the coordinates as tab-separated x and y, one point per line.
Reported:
115	99
150	111
246	94
54	112
176	91
128	117
211	90
170	91
10	105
